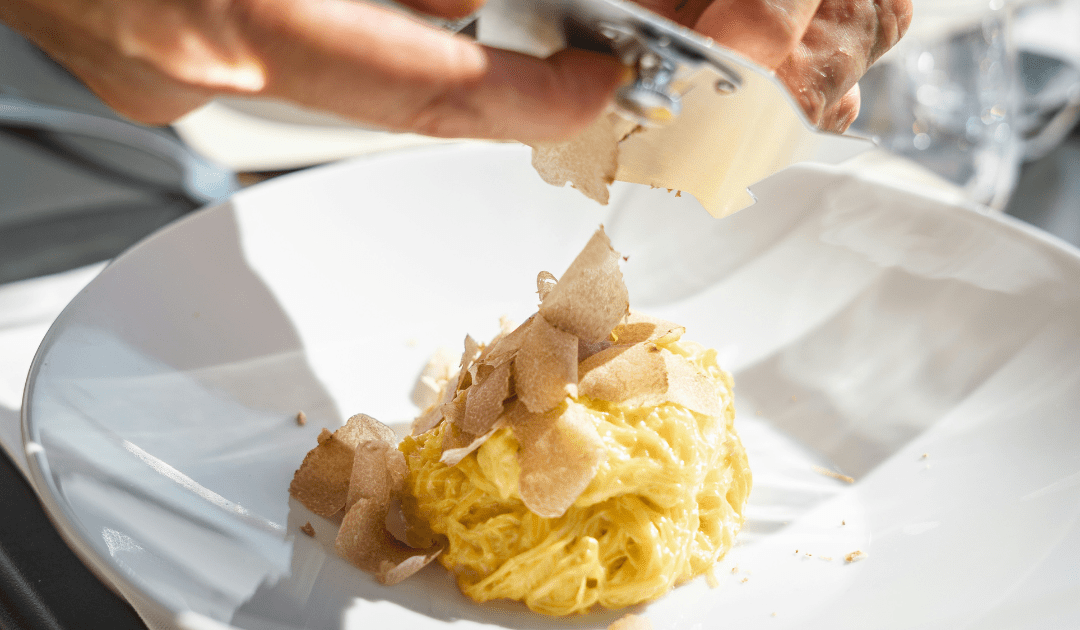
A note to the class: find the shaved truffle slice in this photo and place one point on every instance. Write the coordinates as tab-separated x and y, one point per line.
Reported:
690	388
624	373
364	428
364	541
429	419
391	573
588	162
454	411
506	326
322	481
458	444
545	282
468	357
376	481
506	347
449	406
378	473
637	327
485	402
586	349
545	367
644	374
560	452
590	298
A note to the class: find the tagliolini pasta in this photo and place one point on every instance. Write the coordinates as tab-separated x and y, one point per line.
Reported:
585	458
663	507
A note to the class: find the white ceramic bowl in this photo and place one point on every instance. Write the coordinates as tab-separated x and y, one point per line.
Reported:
930	352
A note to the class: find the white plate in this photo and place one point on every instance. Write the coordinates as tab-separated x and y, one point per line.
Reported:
249	134
866	326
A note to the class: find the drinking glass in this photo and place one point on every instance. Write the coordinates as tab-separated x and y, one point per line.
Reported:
946	97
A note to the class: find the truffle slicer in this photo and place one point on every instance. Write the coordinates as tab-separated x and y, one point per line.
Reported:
713	123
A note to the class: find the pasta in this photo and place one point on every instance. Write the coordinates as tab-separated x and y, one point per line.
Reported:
585	458
663	507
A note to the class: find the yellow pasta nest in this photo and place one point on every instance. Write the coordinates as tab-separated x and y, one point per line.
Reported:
664	506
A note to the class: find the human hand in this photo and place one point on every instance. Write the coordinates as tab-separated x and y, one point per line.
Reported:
155	60
818	48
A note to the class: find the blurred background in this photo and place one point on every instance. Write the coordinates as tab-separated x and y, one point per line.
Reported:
981	98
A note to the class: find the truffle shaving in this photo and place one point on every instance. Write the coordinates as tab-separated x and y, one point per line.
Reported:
364	541
545	282
505	348
588	162
637	327
590	298
546	366
485	401
468	357
458	444
321	483
378	473
586	349
560	452
363	428
390	573
644	374
428	420
454	411
687	387
622	373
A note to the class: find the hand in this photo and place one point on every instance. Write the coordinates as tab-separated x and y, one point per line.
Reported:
818	48
155	60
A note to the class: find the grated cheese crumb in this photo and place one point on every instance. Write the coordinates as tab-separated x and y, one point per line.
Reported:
855	556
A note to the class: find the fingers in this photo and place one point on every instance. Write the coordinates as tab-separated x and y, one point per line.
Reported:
894	18
819	48
449	9
135	89
839	44
385	69
523	98
766	31
840	116
129	81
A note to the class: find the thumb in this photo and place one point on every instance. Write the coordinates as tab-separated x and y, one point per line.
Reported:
449	9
